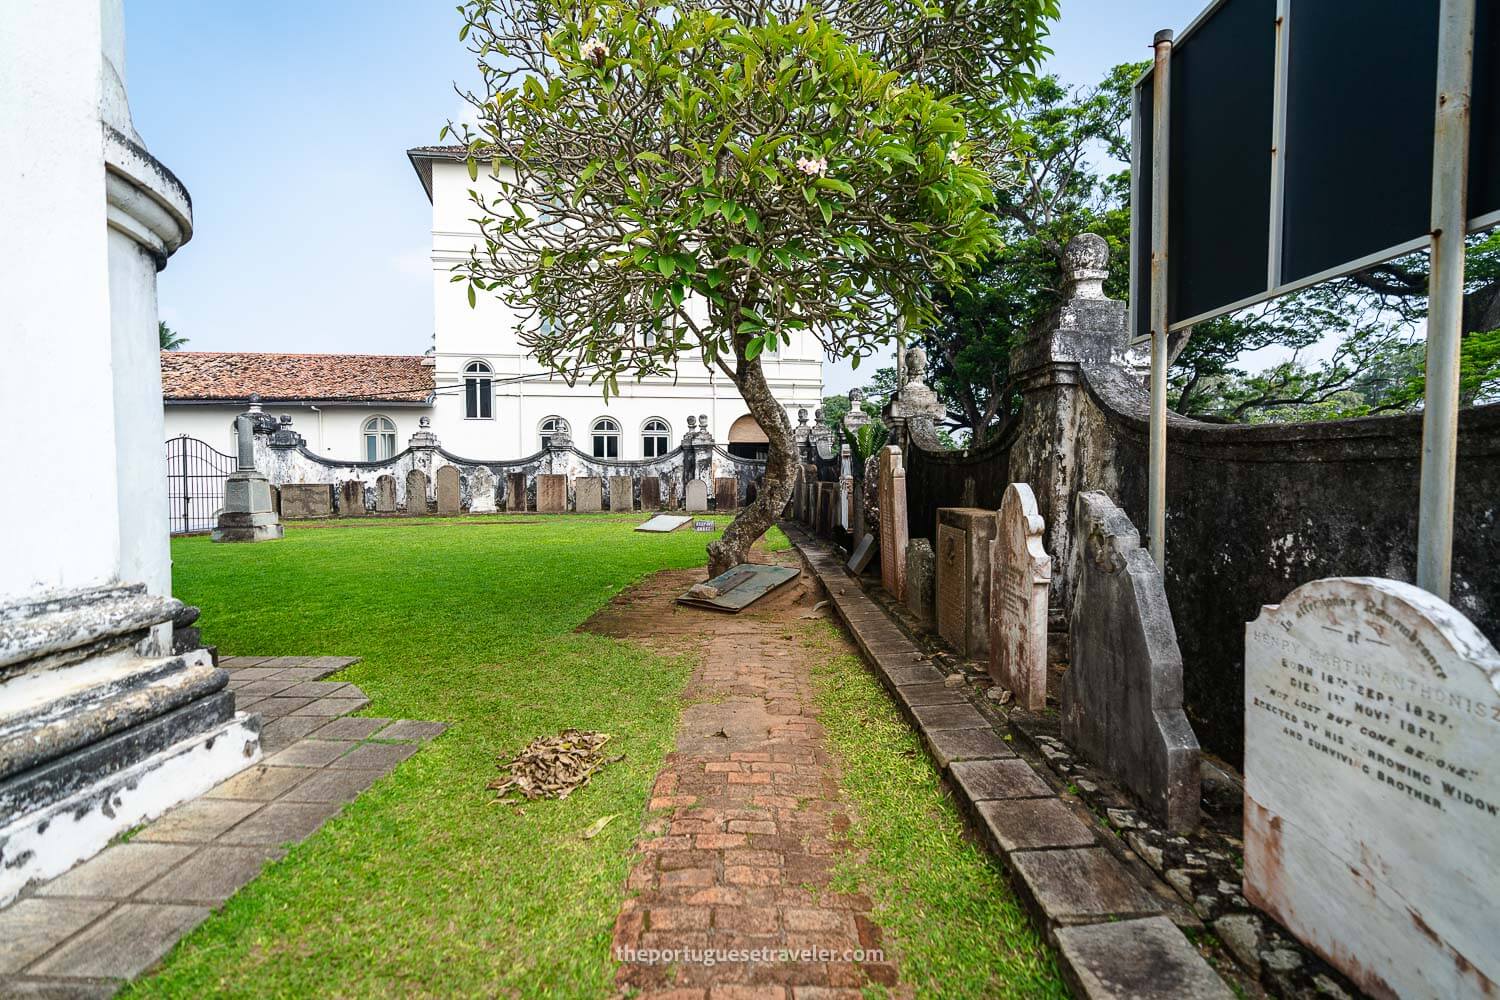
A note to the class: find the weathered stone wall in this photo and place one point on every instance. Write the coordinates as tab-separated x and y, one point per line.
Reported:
938	478
1255	512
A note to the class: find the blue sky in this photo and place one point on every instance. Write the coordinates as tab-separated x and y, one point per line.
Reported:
288	121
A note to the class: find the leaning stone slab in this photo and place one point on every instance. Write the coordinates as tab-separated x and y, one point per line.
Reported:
1372	784
1122	694
1020	579
1146	959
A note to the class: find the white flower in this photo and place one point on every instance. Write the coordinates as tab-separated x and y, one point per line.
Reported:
814	167
595	51
955	155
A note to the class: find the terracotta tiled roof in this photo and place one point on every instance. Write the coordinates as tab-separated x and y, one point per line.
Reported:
235	375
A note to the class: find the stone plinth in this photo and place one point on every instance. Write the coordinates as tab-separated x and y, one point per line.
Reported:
416	493
515	492
99	737
1020	579
449	491
352	498
621	494
1122	694
482	491
651	493
551	494
588	494
385	495
249	512
697	496
964	535
726	493
306	500
893	522
1372	784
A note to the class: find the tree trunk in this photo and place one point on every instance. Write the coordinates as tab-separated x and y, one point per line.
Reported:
753	520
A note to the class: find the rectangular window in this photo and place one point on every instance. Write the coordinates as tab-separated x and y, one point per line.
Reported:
370	440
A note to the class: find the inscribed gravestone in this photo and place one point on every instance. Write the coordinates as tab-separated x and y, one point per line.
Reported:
416	492
621	494
651	493
385	495
893	522
306	500
1372	784
1020	579
449	495
1122	694
921	580
515	492
726	493
963	578
482	491
697	495
352	498
588	494
552	494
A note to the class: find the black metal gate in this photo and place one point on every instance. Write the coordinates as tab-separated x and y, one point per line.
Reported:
196	472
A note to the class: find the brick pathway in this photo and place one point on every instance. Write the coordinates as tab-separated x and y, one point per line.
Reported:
88	931
745	826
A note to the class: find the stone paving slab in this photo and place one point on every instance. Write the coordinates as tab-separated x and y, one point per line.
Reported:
89	930
1071	884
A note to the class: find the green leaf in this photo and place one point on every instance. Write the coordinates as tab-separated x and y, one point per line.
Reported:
753	349
471	295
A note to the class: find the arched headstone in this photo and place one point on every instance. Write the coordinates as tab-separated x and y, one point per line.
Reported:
385	495
416	493
1020	579
621	494
352	498
697	496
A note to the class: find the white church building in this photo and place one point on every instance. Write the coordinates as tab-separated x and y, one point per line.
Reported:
486	398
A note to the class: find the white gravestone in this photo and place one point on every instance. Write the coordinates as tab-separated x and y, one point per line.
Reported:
482	491
697	496
1020	578
1372	785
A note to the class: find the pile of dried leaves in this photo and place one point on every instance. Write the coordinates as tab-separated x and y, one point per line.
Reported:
552	767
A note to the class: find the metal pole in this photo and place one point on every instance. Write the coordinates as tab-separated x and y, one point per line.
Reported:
1161	137
1450	181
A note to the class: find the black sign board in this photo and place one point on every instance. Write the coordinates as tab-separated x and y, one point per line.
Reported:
1263	203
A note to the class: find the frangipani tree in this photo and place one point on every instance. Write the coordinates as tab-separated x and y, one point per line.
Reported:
681	180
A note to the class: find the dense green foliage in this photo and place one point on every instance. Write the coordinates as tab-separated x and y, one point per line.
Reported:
424	886
957	926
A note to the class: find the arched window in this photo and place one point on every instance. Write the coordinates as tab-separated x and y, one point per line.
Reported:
380	439
654	437
478	391
606	438
550	426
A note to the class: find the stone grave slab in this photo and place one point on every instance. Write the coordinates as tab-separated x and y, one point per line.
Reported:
515	492
664	523
921	581
739	587
1020	581
306	500
651	493
621	494
416	493
963	578
482	491
588	494
726	493
1144	959
551	494
385	495
697	496
893	522
1122	694
1372	784
449	491
352	498
864	552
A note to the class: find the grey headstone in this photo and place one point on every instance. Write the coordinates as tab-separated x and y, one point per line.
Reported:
515	492
864	552
621	494
651	493
551	494
385	495
697	496
449	491
963	578
921	580
306	500
1020	580
352	498
588	494
1372	784
416	493
1122	694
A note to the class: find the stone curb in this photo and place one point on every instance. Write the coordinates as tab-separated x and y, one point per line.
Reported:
1110	931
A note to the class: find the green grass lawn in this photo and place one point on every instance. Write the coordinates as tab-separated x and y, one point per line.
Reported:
424	886
957	927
